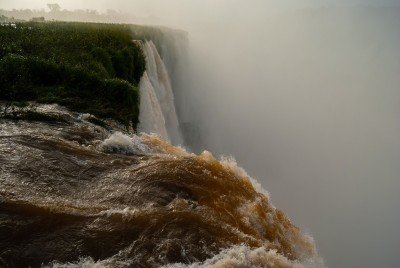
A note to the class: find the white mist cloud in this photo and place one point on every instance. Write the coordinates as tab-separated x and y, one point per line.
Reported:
308	102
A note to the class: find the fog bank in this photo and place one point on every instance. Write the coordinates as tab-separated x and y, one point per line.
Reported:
308	102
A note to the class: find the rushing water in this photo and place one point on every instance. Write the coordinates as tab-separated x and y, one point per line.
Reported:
157	108
75	194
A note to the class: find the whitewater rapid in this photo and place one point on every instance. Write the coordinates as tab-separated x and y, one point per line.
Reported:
73	194
76	194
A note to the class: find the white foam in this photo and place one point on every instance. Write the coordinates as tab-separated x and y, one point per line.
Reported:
83	117
244	257
124	144
88	262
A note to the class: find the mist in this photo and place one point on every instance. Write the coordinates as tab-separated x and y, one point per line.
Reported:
306	97
309	105
308	102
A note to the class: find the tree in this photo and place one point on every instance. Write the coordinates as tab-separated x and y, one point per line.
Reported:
54	7
3	18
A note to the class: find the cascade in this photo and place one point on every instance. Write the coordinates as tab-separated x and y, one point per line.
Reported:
157	108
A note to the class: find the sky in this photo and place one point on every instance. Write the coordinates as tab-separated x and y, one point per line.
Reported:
174	7
306	96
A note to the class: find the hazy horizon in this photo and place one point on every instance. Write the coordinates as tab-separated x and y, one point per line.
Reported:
306	97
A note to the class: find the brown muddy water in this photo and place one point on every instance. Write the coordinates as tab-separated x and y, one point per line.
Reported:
74	194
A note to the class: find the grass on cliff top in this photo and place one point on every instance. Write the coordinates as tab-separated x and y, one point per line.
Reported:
87	67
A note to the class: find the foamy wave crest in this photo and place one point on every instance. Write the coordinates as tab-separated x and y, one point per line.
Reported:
235	257
231	164
166	207
88	262
142	144
244	257
124	144
158	145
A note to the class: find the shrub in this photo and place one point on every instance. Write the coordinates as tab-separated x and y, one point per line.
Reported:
87	67
15	79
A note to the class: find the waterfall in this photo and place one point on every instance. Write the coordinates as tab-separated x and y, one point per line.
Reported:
157	109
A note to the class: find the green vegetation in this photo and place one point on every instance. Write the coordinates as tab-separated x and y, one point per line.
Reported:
87	67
